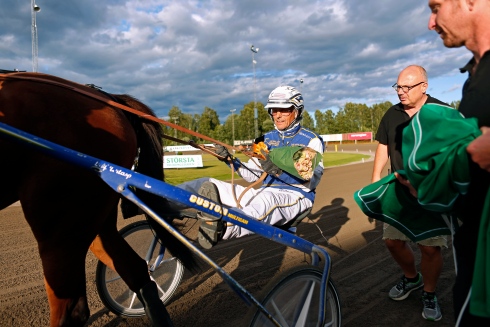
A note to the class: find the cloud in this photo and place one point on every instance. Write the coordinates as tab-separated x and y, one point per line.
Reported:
193	54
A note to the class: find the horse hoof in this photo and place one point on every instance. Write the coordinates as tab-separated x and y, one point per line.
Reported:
154	307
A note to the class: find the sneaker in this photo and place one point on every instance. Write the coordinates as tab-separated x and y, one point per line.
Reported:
403	289
211	228
431	311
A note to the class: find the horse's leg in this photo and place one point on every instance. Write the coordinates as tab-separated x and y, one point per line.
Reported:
64	276
77	309
111	248
65	218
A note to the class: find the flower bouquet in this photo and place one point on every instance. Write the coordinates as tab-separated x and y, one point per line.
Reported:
296	160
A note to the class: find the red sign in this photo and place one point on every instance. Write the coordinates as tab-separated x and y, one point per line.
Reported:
360	136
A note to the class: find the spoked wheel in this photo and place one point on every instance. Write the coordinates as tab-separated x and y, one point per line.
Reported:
293	299
166	270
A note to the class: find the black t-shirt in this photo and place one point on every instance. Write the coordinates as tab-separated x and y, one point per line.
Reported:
390	131
476	103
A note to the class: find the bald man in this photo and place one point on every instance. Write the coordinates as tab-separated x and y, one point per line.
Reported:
411	88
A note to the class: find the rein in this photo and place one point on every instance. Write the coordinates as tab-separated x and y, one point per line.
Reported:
84	90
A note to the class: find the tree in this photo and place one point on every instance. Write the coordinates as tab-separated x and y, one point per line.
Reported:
175	117
356	114
353	117
321	124
364	117
308	122
267	125
455	104
222	134
245	122
226	130
378	111
330	123
342	123
350	118
209	122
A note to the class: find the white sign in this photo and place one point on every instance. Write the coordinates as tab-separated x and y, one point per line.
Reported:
181	148
246	142
178	148
332	137
182	161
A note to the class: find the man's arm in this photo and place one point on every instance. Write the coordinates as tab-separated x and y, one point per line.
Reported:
479	149
380	160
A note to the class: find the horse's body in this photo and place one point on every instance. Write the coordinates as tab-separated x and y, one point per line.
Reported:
65	206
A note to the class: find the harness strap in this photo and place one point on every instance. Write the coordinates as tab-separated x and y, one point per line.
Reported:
83	90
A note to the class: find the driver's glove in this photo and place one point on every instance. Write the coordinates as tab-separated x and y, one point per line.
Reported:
221	151
268	166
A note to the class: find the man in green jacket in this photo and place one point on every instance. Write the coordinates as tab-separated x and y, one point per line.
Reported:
467	23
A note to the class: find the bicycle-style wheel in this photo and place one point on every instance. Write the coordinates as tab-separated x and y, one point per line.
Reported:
166	270
293	299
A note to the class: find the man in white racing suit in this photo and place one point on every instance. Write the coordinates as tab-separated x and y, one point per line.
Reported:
282	196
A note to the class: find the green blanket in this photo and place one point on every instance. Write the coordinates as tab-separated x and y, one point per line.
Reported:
391	202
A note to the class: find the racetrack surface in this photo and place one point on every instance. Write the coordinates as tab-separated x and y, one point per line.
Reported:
363	270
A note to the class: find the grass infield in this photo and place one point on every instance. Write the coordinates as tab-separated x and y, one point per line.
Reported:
212	167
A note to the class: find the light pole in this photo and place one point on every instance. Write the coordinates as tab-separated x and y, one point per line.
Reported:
301	86
176	120
254	51
34	10
233	125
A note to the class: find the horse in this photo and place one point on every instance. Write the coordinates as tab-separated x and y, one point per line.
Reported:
71	210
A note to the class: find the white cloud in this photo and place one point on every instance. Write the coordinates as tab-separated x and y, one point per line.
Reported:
192	53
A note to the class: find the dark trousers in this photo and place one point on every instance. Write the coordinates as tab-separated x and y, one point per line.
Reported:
465	248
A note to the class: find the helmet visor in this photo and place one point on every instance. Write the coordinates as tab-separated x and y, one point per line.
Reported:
279	103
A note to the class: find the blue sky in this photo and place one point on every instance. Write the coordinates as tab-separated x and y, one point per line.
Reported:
193	54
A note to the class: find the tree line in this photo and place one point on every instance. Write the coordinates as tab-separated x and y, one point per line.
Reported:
353	117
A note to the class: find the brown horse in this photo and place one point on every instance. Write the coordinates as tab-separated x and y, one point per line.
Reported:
69	209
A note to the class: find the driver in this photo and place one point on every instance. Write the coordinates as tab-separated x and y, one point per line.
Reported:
283	196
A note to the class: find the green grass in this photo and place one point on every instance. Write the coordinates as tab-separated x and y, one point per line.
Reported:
212	167
338	159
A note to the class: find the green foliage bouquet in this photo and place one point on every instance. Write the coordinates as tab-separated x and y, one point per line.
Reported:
296	160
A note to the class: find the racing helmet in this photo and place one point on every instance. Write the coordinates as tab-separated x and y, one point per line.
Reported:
285	97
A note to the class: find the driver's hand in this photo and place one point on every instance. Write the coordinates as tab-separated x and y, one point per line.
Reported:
268	166
222	152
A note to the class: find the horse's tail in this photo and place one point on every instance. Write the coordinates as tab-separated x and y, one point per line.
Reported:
150	162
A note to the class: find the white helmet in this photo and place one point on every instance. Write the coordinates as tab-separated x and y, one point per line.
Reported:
285	97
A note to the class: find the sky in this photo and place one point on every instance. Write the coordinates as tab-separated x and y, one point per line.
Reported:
196	53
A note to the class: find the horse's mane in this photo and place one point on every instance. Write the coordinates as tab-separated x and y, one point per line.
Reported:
149	135
149	138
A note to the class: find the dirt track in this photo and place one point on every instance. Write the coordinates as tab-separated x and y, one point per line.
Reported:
363	270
